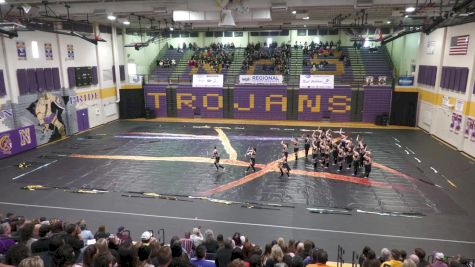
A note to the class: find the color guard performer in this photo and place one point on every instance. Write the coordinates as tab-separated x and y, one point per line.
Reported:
285	149
251	153
216	158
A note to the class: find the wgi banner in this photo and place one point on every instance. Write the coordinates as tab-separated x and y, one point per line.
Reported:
317	81
261	79
208	80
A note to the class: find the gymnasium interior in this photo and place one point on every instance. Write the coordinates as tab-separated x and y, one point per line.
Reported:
237	133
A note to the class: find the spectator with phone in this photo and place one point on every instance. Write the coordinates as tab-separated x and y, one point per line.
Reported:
197	237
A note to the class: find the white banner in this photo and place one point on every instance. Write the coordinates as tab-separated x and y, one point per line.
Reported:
208	80
261	79
317	81
459	106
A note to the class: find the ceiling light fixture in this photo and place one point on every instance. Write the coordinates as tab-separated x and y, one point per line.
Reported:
126	22
171	29
305	25
410	9
294	12
2	1
388	22
111	17
406	16
307	17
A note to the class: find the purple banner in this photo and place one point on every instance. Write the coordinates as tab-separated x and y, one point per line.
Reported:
260	102
377	100
16	141
156	99
196	101
317	104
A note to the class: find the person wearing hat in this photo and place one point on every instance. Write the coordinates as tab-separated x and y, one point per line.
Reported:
146	238
439	260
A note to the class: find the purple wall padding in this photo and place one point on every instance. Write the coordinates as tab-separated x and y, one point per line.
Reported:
261	94
122	72
427	75
40	79
94	75
204	102
72	77
155	99
444	78
31	79
49	79
3	90
451	84
56	81
457	79
22	81
463	80
315	104
113	73
377	100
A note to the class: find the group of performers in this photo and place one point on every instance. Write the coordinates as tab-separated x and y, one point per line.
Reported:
325	150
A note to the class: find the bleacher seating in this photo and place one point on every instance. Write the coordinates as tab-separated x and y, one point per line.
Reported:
161	74
53	242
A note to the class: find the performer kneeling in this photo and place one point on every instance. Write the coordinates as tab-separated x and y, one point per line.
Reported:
283	164
216	159
252	154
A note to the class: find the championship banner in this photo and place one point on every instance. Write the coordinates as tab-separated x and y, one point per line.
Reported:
261	79
317	81
208	80
16	141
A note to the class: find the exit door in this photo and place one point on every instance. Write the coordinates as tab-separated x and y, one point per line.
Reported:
83	120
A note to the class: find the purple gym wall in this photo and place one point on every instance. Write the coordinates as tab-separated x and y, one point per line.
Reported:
156	99
17	140
204	102
270	102
377	100
315	104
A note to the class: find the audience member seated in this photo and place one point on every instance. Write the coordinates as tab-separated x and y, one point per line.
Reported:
279	56
58	248
217	55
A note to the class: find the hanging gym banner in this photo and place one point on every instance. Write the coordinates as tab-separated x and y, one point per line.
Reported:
261	79
208	80
317	81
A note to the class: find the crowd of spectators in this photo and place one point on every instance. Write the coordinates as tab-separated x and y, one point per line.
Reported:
279	56
42	242
166	63
219	56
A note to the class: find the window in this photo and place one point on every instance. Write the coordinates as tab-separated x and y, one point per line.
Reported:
228	34
312	32
302	32
132	69
35	52
238	34
269	41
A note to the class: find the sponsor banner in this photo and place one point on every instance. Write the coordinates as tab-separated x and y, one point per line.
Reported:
16	141
208	80
21	50
48	51
261	79
406	81
317	81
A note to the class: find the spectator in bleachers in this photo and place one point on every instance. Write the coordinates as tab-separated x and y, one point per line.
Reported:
88	256
276	256
85	233
32	262
319	258
26	234
210	243
393	260
186	243
439	260
179	258
64	257
164	257
197	237
16	254
101	232
421	254
74	239
223	255
408	263
200	260
104	260
41	245
5	241
144	256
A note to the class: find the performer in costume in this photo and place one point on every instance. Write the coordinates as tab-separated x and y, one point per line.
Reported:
295	142
367	164
307	145
216	159
285	149
252	155
341	157
356	162
283	164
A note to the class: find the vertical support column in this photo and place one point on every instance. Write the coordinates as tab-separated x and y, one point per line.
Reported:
115	57
8	83
437	82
